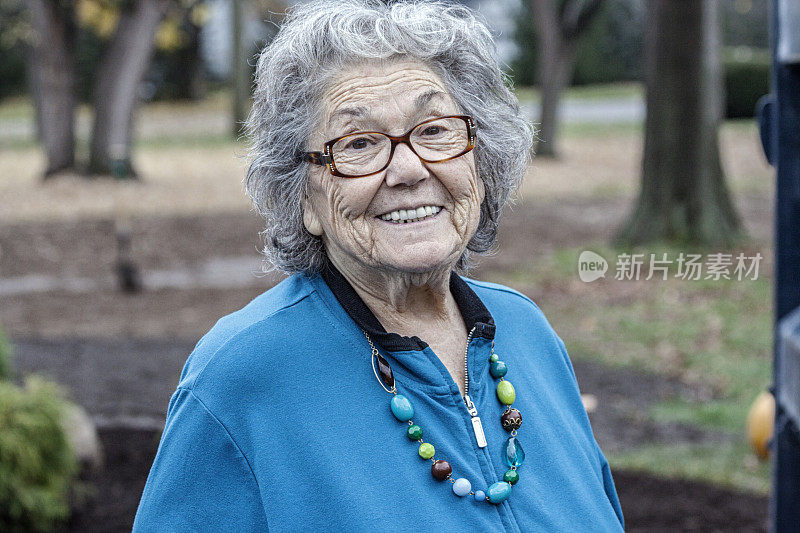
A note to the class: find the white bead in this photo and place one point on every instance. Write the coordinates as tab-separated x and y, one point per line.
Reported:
462	487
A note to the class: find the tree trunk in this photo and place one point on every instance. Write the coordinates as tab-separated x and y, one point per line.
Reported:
556	67
683	193
51	76
558	28
116	88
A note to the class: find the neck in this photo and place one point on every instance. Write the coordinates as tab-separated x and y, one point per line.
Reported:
406	303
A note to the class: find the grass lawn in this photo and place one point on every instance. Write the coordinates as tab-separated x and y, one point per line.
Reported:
715	336
18	107
728	464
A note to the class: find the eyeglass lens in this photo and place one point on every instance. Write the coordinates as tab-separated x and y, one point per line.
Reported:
363	153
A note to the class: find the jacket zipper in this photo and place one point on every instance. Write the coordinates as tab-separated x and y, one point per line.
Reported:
477	426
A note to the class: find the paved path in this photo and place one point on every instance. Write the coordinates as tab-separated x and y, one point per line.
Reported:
218	273
594	111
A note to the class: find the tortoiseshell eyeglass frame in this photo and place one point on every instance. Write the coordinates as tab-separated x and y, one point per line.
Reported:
325	157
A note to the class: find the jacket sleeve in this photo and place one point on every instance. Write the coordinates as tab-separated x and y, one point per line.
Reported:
605	469
608	485
200	480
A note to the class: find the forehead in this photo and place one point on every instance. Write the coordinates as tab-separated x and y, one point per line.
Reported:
384	94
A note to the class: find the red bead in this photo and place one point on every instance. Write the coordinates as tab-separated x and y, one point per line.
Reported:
441	470
511	419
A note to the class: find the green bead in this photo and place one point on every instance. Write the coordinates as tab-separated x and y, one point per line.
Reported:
426	451
414	432
505	392
494	358
511	476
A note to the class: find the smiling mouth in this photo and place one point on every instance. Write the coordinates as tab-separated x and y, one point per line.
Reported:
404	216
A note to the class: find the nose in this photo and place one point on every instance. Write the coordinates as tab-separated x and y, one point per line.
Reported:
406	168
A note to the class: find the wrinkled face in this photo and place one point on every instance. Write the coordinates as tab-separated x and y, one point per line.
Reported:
349	213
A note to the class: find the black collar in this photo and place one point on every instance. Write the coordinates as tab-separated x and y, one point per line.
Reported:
473	312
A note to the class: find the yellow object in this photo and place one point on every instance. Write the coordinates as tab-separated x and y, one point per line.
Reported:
169	36
102	18
200	14
761	424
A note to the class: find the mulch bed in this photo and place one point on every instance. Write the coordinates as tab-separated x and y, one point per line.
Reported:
649	503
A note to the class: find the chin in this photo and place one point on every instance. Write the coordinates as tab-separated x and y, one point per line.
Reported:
422	263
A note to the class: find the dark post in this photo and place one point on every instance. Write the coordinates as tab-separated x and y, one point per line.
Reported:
779	117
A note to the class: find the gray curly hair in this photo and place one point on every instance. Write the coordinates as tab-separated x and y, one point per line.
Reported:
317	40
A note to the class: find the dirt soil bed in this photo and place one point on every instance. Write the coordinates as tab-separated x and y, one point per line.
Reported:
650	504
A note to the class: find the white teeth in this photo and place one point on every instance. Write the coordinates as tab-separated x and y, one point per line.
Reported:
403	216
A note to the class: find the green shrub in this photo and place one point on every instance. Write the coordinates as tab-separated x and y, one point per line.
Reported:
747	75
6	369
12	51
37	466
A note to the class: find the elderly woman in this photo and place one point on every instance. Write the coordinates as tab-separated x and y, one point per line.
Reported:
376	389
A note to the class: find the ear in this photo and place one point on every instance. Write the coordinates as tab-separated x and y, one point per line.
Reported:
310	218
481	191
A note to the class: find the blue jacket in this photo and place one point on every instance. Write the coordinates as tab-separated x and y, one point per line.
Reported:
279	424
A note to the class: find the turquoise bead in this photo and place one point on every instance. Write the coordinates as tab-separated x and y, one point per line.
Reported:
499	492
462	486
498	369
494	358
402	408
513	454
480	496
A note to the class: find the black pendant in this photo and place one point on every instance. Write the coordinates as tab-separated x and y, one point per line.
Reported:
385	372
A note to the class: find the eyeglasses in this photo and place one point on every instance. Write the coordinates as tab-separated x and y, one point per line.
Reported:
368	152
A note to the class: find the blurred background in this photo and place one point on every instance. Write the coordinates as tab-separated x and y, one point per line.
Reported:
125	233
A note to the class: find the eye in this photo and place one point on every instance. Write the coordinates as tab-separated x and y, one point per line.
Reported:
359	143
433	129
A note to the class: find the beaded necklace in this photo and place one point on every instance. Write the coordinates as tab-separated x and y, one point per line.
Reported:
441	470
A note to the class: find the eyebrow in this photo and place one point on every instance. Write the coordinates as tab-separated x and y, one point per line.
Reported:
358	112
423	99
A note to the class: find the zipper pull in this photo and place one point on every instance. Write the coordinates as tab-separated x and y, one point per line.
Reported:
477	427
